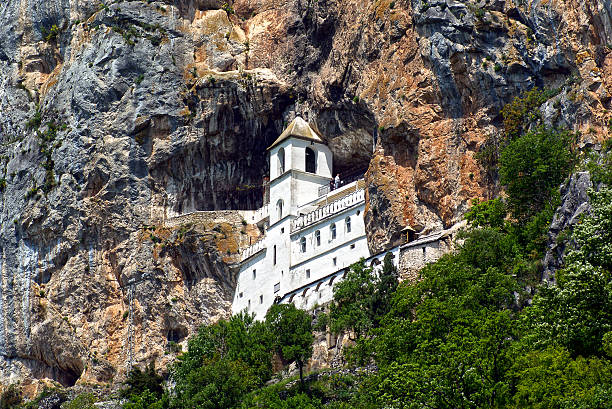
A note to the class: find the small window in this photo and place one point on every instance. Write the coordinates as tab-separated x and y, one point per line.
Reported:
352	246
279	209
261	299
311	161
358	212
335	260
276	287
249	304
348	224
303	244
241	294
254	274
308	273
318	237
282	230
281	161
274	255
332	228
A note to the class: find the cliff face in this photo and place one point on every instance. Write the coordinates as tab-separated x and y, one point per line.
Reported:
115	118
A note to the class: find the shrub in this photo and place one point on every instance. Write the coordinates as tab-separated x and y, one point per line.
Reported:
34	122
227	8
50	34
139	381
532	166
522	111
82	401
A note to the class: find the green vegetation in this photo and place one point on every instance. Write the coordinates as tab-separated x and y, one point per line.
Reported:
50	34
361	300
523	111
532	166
82	401
291	331
227	8
223	363
34	122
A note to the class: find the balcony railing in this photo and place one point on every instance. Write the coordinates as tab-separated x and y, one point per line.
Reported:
327	210
251	250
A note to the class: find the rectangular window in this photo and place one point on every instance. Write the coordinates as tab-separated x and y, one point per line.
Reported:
249	304
241	294
254	274
335	260
352	246
261	299
274	255
276	287
308	273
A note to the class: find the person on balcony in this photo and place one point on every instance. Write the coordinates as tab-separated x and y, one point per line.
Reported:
337	181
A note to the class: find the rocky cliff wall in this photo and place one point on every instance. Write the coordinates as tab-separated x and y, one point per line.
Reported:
116	116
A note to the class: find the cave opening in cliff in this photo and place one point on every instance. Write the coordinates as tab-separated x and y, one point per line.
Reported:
176	334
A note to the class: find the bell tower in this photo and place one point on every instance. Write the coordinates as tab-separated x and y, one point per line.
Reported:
300	163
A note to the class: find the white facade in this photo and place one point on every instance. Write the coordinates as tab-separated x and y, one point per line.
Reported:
310	233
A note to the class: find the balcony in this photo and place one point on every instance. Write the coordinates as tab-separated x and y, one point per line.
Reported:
253	249
346	201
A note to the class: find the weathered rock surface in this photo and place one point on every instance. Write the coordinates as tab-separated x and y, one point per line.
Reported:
574	203
117	118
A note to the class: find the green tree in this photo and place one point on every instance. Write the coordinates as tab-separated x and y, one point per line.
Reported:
362	299
551	379
147	400
217	384
350	306
532	166
139	381
223	362
292	332
490	213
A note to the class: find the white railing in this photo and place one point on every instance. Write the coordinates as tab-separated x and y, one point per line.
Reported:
253	249
329	209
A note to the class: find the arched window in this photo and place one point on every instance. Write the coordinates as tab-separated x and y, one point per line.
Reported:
332	228
311	161
279	208
303	244
318	237
348	224
281	161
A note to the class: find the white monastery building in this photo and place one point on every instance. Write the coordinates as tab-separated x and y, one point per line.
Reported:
313	227
313	230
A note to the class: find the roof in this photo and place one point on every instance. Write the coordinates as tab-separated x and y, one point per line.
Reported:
298	128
